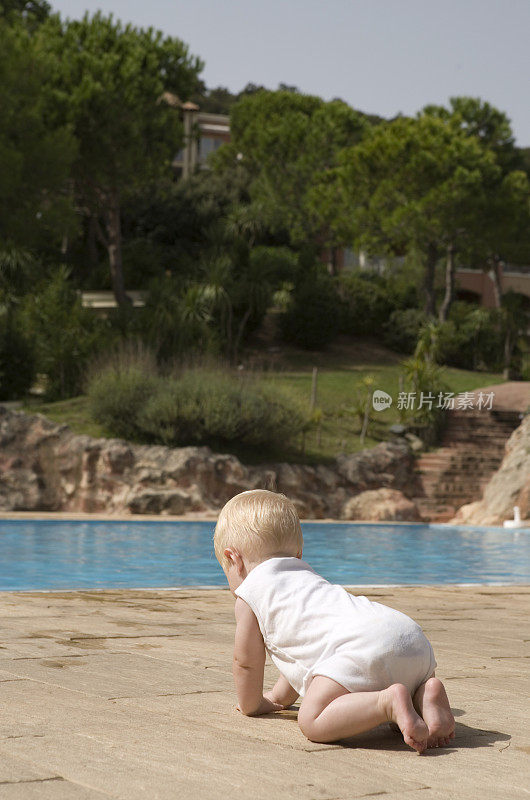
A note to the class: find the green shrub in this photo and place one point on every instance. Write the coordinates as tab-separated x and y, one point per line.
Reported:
471	338
208	407
117	398
199	407
65	334
312	319
402	330
175	319
423	375
17	362
118	387
367	303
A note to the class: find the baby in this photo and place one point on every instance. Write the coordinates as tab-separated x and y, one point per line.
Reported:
355	663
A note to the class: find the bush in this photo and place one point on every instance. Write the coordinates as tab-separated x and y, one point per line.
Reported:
118	384
17	362
471	338
212	408
424	376
403	328
65	334
367	303
199	407
116	399
175	319
312	319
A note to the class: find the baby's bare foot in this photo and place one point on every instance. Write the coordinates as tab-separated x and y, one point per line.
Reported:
436	712
399	709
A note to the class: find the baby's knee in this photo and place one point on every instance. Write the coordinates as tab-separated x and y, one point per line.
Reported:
307	723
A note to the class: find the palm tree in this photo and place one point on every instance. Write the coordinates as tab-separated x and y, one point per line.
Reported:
15	267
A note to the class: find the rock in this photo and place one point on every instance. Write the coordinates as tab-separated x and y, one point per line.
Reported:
44	466
152	501
509	486
379	505
416	444
387	464
397	430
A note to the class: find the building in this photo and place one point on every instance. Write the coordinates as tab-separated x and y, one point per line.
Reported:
478	286
472	285
203	134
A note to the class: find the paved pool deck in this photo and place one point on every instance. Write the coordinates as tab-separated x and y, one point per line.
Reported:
128	694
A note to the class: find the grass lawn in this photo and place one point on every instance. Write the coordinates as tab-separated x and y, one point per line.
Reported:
340	369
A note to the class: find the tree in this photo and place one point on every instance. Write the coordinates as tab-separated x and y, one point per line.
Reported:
287	141
115	85
482	120
425	183
30	12
505	225
238	279
35	153
515	318
168	224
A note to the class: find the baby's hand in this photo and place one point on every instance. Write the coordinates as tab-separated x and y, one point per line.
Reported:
270	697
265	707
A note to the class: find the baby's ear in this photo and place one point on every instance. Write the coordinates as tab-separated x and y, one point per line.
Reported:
233	556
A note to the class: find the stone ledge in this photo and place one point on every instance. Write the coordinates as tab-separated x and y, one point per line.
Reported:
154	715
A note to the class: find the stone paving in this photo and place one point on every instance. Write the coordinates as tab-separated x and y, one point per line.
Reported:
128	694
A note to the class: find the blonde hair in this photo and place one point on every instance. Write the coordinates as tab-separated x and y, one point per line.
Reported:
259	523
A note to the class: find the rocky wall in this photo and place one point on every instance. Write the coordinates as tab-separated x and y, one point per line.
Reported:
46	467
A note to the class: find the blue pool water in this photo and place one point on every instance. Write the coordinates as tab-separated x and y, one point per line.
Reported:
100	554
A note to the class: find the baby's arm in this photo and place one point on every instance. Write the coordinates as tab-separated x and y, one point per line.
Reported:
249	663
282	693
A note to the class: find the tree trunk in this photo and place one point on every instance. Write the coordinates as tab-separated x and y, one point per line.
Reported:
509	340
428	283
495	274
239	336
92	234
114	249
332	262
449	283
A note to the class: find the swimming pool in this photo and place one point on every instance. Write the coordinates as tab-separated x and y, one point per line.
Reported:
65	554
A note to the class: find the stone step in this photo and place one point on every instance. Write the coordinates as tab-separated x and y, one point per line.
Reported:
454	483
461	466
486	453
474	440
458	466
478	430
459	455
454	496
434	512
455	418
452	487
477	425
472	448
434	476
477	438
462	456
457	500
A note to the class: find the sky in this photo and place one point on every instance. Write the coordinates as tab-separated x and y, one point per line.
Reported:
380	56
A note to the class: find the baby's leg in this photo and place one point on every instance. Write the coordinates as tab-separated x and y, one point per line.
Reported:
329	712
431	702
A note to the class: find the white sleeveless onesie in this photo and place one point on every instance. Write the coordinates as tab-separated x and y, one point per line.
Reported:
313	627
